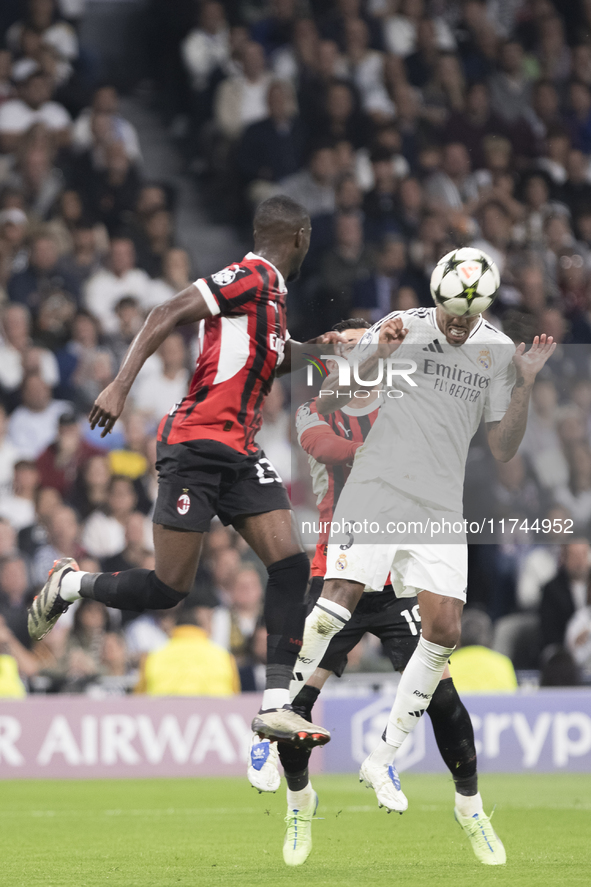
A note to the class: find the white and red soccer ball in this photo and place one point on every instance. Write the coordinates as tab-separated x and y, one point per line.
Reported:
465	282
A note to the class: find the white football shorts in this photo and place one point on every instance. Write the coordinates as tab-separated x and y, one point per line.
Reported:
402	542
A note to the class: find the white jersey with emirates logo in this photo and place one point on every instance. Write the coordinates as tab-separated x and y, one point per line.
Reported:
419	442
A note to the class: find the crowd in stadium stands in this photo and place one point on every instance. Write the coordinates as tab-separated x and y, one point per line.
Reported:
406	127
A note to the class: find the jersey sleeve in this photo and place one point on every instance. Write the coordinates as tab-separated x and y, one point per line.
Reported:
498	396
318	439
228	289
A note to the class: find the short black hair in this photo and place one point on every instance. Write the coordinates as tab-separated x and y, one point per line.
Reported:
278	213
353	323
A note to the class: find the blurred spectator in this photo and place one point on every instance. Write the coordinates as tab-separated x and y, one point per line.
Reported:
42	276
149	632
242	98
175	276
111	192
577	637
205	50
273	148
474	667
116	675
579	117
104	531
134	553
346	263
33	105
63	540
313	187
246	596
121	278
19	507
35	535
566	593
61	462
373	296
91	621
510	87
92	486
18	354
452	187
15	595
401	30
106	101
158	392
67	221
159	237
14	253
190	664
33	425
9	454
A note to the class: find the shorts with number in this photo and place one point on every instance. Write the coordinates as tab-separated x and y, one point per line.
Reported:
413	565
199	479
395	622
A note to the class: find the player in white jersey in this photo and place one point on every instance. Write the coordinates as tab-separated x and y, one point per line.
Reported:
450	372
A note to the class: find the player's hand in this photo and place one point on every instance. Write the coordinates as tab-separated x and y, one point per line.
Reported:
330	338
392	332
528	364
108	407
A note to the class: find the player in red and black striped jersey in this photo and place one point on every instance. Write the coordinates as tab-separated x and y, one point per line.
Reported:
331	443
207	460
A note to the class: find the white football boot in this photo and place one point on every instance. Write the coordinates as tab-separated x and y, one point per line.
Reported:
263	760
297	844
385	782
485	842
48	606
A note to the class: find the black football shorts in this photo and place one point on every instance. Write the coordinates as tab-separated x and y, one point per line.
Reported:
199	479
395	621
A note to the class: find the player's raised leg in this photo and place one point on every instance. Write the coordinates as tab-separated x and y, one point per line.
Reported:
454	735
441	621
275	539
177	556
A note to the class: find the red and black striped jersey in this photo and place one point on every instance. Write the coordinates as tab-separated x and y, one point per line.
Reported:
331	443
240	347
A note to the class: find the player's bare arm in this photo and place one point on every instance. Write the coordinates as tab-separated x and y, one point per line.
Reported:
504	437
188	306
335	396
295	350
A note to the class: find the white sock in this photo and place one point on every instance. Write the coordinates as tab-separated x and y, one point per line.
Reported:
326	619
417	685
469	805
70	585
276	698
301	799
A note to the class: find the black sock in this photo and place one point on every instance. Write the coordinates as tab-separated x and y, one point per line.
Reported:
293	759
130	590
285	614
304	701
295	764
455	736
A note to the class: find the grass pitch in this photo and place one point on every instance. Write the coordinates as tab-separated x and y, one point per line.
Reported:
160	833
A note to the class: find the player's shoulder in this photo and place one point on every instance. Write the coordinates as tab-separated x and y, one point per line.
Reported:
426	315
487	333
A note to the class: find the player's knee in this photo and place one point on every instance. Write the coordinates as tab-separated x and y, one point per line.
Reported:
298	566
174	589
343	592
444	631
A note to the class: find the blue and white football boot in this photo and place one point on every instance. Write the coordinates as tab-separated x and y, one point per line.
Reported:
385	782
263	765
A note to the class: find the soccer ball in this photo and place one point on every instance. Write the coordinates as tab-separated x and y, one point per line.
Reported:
465	282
